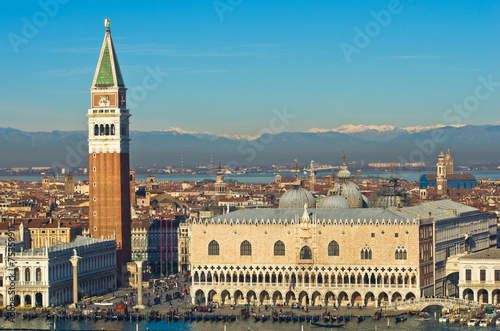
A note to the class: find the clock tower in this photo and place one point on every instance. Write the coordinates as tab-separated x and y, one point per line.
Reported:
109	187
441	180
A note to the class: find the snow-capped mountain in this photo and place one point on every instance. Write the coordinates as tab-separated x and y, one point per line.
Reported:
370	143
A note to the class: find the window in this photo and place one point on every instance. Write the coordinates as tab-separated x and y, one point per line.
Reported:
96	130
27	274
1	258
373	235
213	248
396	235
94	169
1	281
400	253
366	253
16	274
497	275
279	248
38	274
333	248
112	129
106	130
101	131
482	275
246	248
305	253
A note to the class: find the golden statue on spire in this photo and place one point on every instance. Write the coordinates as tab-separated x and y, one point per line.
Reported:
106	23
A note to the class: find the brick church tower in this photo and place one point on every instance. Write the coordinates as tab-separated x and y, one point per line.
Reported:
108	119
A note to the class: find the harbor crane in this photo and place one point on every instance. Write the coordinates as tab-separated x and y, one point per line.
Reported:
313	169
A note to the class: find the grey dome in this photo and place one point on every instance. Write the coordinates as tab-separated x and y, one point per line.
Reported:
334	202
296	197
344	174
351	192
389	201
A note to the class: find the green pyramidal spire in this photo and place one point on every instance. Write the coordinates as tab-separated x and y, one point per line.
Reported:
108	73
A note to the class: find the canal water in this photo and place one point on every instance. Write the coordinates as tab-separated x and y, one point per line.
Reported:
411	324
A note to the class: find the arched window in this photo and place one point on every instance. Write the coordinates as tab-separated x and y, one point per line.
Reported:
213	248
305	253
112	129
246	248
366	253
400	253
96	130
38	274
16	274
27	275
106	130
279	248
333	248
101	131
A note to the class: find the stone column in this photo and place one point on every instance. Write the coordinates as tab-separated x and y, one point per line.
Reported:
139	284
74	262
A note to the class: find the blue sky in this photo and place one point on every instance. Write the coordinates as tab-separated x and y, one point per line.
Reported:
227	64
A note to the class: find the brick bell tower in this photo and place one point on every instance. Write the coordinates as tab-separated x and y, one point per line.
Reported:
108	119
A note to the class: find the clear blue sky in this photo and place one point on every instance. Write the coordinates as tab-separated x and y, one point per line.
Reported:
231	62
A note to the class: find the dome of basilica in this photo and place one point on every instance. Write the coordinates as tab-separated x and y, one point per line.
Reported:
296	197
334	202
352	194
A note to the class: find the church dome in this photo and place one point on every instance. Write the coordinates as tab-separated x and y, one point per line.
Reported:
352	194
344	174
296	197
389	201
334	202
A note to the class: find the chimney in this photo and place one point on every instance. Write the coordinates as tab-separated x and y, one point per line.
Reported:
430	215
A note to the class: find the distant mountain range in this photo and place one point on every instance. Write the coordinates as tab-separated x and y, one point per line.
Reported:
468	143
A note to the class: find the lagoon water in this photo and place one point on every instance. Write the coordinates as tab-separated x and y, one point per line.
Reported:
266	178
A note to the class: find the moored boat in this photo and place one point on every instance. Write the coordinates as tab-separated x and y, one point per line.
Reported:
423	316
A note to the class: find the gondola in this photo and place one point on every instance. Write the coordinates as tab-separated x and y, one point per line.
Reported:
282	318
295	318
400	318
339	319
265	318
347	318
328	325
257	318
206	318
315	319
302	318
361	318
275	319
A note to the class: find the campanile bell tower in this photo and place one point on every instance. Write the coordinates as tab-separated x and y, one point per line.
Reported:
108	120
